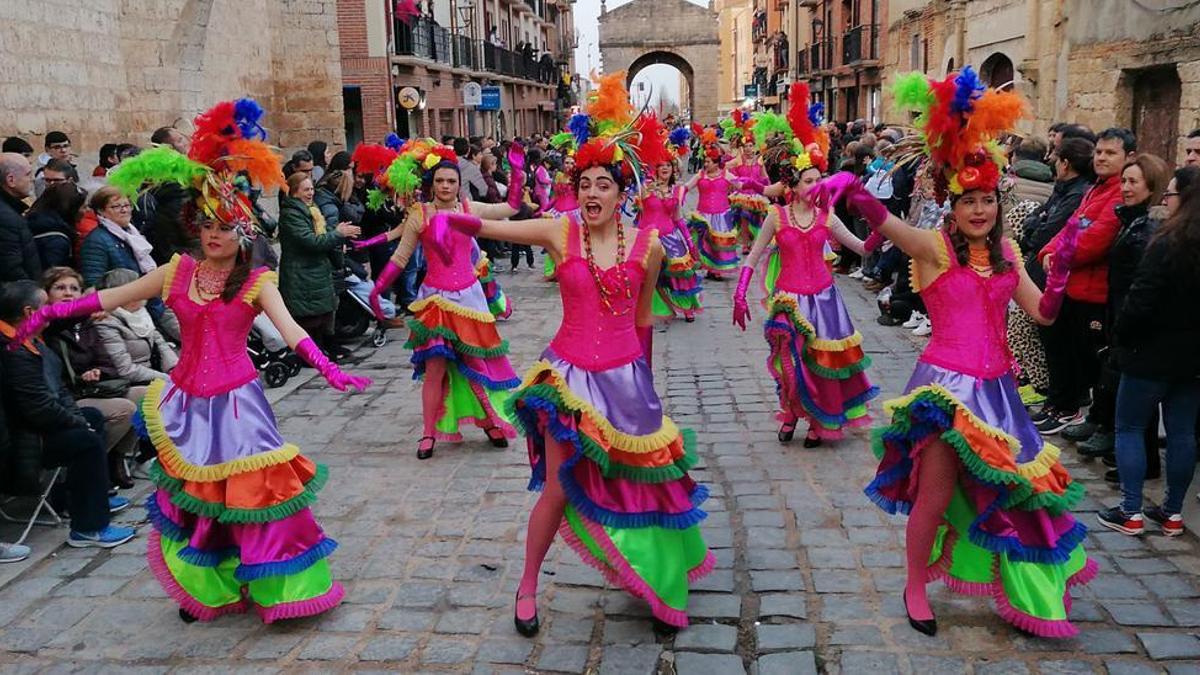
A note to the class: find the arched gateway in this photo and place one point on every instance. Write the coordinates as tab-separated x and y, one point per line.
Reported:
675	32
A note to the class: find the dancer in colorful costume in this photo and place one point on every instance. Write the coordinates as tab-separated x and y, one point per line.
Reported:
456	349
232	525
987	499
563	196
816	354
611	466
718	238
658	206
747	205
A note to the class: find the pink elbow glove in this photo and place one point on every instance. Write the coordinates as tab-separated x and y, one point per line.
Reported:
88	304
874	241
1060	271
866	206
830	191
741	309
646	337
443	222
313	356
753	185
360	244
387	277
516	175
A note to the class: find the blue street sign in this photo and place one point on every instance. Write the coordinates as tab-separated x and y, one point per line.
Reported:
490	98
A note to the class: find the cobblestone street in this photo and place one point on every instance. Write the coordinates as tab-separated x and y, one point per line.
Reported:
808	579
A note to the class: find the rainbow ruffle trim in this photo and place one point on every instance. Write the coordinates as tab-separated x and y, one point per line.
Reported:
632	512
1008	533
237	535
498	303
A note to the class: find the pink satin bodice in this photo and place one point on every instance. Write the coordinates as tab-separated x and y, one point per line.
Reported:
754	171
659	212
714	194
213	359
969	316
564	197
802	267
590	336
457	273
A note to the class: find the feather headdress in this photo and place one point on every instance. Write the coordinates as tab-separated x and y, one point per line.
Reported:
958	122
805	121
228	158
605	133
416	161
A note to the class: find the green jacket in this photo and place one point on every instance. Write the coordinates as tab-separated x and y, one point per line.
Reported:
306	261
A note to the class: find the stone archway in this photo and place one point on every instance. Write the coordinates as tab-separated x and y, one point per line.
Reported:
675	32
668	58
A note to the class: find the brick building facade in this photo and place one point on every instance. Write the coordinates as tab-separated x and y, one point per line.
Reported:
108	71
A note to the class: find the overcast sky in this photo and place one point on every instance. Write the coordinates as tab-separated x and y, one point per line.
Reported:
660	78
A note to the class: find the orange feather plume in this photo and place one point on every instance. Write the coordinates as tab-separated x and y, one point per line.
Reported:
257	160
611	99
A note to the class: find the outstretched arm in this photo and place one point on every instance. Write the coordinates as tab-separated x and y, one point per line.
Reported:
763	240
271	302
543	232
410	236
493	211
845	236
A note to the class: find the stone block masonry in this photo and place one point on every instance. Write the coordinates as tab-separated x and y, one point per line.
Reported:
110	71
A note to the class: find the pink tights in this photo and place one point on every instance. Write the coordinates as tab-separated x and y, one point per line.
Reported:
433	394
937	476
544	520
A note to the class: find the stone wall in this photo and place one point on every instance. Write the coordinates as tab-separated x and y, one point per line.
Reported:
114	70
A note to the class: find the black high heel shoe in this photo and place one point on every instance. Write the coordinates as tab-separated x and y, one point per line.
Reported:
664	629
526	627
926	626
186	616
496	436
812	441
786	431
425	453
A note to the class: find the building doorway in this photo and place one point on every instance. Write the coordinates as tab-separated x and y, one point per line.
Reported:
352	115
1156	93
997	71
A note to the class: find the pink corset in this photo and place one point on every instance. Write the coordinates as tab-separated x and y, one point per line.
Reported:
564	197
802	267
714	195
659	212
590	336
459	272
754	171
213	359
969	316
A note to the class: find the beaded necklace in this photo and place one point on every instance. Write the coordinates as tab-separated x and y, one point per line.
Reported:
620	265
979	259
209	281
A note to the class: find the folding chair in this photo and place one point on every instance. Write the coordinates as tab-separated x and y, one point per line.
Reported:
43	504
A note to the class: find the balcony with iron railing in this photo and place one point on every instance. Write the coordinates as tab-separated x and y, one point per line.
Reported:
860	43
821	55
802	61
424	39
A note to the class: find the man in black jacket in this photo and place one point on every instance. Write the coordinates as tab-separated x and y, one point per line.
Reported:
48	429
18	253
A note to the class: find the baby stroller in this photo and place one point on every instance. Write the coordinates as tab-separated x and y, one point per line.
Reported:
354	315
277	367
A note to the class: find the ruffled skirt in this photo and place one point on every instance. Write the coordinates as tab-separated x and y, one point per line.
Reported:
231	518
459	327
747	211
497	301
1008	532
718	243
632	511
679	283
817	362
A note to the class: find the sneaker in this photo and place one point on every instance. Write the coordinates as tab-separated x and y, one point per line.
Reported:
1030	396
142	469
926	328
913	321
1100	444
110	537
1125	523
10	553
1172	523
117	504
1078	433
1042	414
1064	419
856	274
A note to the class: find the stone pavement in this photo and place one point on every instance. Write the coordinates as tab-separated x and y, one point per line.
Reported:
808	578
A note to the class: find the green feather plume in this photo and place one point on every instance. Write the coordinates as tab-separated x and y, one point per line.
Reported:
728	128
767	125
563	139
911	92
156	166
375	199
404	175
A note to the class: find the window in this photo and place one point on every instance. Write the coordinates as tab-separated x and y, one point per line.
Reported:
914	53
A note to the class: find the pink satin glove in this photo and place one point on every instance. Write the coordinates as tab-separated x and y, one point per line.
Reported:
830	191
646	337
741	309
313	356
391	272
873	242
360	244
516	175
443	222
87	305
1060	271
866	206
753	185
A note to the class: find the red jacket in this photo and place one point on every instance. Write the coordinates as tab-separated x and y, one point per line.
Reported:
1089	269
